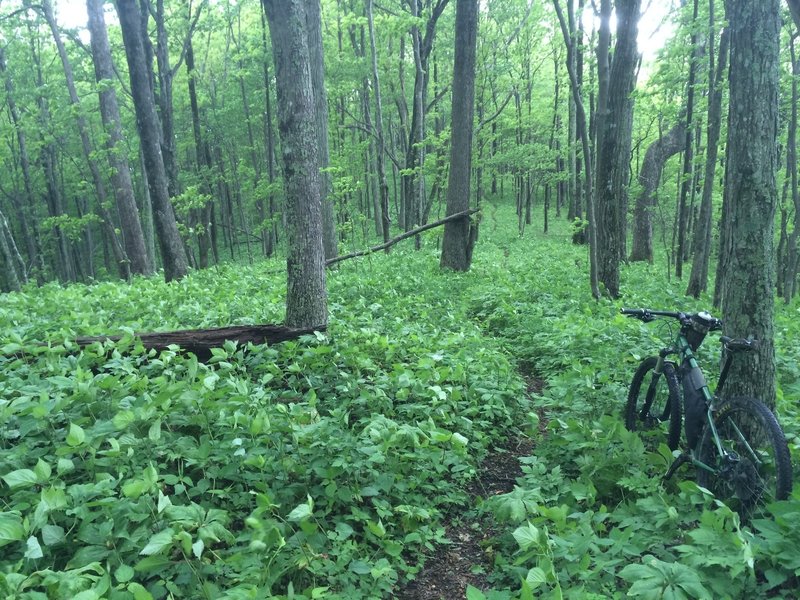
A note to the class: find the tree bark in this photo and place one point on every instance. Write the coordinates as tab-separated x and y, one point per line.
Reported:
614	110
458	240
11	277
383	187
698	279
306	298
413	180
314	32
131	226
655	157
748	289
23	211
582	126
688	150
172	251
791	263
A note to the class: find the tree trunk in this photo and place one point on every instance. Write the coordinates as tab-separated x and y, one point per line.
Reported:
270	233
582	126
458	240
655	157
131	226
698	279
29	233
414	181
203	155
688	150
614	108
10	271
383	187
748	289
172	251
306	298
791	262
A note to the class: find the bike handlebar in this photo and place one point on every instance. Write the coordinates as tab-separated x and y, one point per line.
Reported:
646	315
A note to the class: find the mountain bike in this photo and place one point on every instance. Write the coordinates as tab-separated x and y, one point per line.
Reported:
736	444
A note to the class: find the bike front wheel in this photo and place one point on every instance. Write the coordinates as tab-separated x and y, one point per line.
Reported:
754	468
654	402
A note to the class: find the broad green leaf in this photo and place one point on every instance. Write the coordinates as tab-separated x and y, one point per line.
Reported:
54	498
377	529
158	542
52	534
86	595
536	577
300	512
197	548
474	593
154	433
527	536
20	478
76	435
34	550
139	591
11	528
42	470
124	573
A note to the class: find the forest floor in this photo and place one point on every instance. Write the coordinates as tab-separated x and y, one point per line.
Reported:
466	559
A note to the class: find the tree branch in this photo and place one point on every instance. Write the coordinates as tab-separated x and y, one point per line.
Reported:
400	238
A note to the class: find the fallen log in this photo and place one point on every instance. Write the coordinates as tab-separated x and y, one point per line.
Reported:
201	341
400	238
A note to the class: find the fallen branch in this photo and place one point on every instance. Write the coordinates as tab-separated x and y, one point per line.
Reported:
201	341
400	238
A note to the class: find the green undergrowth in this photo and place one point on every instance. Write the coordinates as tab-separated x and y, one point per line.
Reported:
327	467
322	467
590	517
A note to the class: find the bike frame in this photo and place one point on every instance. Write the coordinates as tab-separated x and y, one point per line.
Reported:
685	353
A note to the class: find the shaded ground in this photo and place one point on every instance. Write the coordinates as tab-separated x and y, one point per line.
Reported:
463	562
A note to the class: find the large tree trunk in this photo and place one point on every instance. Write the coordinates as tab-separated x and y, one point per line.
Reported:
748	288
614	140
458	239
306	298
131	226
172	251
655	157
698	279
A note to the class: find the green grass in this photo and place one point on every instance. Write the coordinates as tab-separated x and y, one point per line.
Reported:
326	467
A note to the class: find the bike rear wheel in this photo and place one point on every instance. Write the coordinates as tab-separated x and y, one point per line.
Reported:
654	402
759	470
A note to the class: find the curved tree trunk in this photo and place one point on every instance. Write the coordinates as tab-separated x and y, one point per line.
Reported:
655	157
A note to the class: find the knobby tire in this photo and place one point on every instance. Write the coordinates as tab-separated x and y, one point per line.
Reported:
759	477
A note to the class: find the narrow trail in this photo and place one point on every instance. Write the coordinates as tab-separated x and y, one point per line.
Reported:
465	560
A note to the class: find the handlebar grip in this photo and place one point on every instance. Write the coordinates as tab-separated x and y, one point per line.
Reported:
632	312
